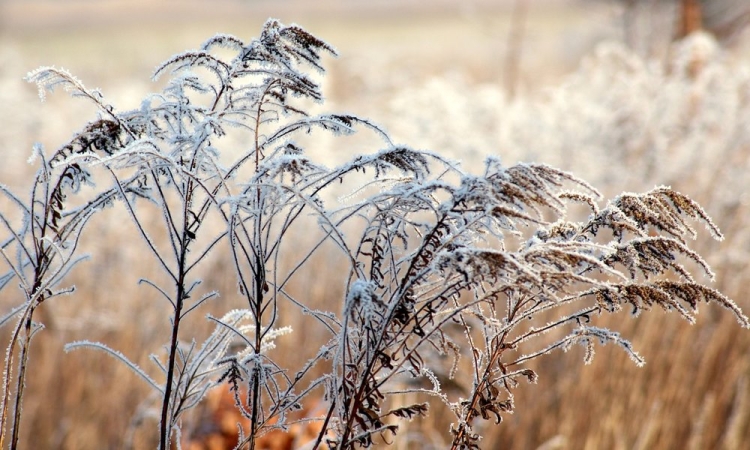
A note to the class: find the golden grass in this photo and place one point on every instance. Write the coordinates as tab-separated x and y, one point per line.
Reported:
692	392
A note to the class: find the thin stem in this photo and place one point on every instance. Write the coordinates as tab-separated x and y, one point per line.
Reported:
165	430
20	383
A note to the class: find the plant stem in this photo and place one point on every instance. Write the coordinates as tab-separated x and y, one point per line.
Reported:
20	384
165	427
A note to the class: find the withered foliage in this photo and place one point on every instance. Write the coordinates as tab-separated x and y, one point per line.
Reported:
448	276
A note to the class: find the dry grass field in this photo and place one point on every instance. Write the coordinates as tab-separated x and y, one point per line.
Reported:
434	77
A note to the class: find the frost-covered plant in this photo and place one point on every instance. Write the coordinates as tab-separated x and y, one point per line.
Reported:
658	117
40	246
446	273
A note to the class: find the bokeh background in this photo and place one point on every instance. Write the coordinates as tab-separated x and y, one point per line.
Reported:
622	93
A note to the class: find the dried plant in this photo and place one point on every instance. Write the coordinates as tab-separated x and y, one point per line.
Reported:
446	272
41	245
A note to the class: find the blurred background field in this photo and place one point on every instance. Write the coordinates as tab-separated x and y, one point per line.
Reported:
595	87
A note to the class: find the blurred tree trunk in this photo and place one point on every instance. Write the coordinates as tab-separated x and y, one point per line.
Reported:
725	19
514	50
628	22
691	18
